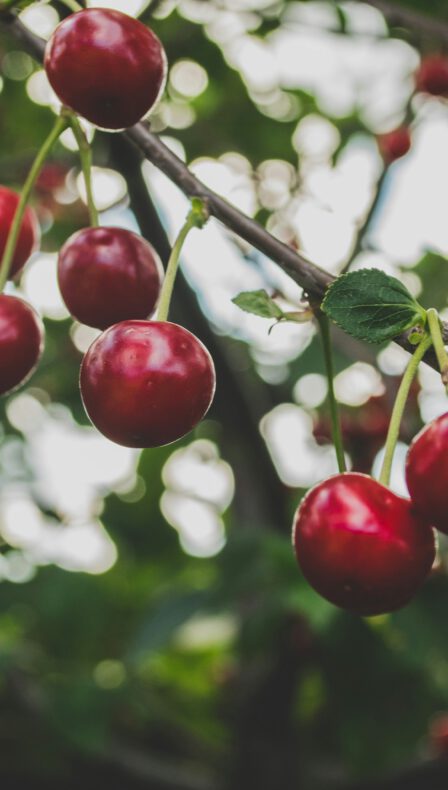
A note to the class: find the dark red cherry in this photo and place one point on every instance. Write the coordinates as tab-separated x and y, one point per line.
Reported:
432	76
21	342
107	66
360	545
107	275
395	144
146	383
29	235
427	472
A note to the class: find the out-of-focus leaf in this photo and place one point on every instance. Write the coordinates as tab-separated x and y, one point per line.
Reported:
160	625
433	272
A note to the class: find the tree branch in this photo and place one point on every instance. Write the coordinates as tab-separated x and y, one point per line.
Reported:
398	15
310	277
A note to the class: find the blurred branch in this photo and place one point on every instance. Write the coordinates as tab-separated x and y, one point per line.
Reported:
398	15
152	6
242	399
134	765
309	276
364	228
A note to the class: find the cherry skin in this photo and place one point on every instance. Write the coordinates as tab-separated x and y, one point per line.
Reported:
393	145
432	76
106	66
107	275
360	545
427	472
21	342
146	383
29	234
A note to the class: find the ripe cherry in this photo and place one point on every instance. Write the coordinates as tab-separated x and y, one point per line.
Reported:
146	383
393	145
107	66
427	472
107	275
360	545
432	76
21	342
438	735
29	234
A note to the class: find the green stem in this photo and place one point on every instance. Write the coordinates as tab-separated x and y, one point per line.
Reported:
196	218
399	405
85	153
334	411
439	347
5	265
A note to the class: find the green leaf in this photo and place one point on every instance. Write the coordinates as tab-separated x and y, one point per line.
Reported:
433	272
258	303
370	305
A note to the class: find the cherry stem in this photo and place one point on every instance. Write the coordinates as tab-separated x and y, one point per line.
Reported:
439	347
85	154
8	255
196	218
334	410
399	406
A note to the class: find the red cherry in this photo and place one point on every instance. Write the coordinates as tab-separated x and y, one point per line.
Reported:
107	275
29	235
21	342
395	144
427	472
360	545
146	383
107	66
438	735
432	76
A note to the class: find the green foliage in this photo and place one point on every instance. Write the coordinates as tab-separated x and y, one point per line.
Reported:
91	661
433	272
258	303
370	305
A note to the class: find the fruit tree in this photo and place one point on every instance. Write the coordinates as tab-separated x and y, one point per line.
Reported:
223	394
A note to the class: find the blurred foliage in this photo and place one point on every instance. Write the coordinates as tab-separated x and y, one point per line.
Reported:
229	671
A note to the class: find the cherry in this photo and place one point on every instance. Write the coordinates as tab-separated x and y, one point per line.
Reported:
360	545
146	383
438	735
427	472
432	76
21	342
107	66
395	144
107	275
29	234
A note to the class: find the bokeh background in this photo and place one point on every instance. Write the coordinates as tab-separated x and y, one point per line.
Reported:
155	631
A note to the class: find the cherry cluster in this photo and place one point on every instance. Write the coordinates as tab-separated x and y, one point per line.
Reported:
431	78
358	544
144	383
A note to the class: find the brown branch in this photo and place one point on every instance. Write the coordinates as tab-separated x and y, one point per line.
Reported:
310	277
398	15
